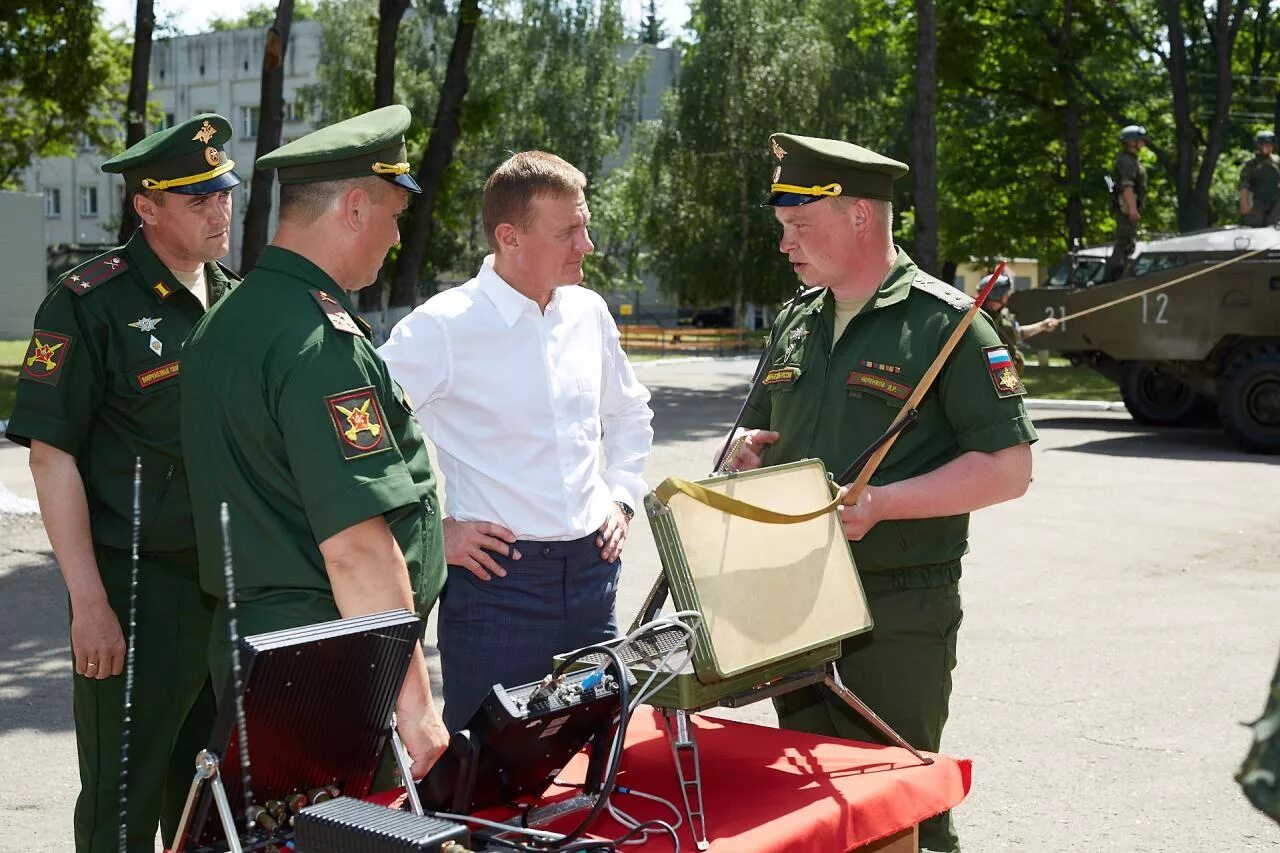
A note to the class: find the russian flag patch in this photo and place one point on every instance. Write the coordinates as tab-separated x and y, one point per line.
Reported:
1004	375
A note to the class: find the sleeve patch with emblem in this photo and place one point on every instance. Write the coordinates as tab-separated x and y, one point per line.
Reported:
45	356
357	419
1003	374
336	314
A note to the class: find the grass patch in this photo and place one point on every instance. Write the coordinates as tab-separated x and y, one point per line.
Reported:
1069	383
11	353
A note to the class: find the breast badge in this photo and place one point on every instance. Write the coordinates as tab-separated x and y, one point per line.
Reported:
357	419
46	354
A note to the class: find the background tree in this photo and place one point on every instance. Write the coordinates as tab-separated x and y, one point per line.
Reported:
136	105
270	123
62	78
924	139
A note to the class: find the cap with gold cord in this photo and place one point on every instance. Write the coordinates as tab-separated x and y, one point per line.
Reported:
808	169
368	144
188	158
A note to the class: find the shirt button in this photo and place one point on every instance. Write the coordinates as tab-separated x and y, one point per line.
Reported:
546	551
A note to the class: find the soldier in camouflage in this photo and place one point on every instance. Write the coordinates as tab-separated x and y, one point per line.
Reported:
1128	197
1007	327
1260	184
1260	774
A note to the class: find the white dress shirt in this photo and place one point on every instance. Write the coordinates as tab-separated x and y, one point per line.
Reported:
523	404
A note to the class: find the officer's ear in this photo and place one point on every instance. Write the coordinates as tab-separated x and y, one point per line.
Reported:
860	214
147	204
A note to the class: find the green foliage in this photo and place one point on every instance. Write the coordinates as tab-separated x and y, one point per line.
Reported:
545	74
62	78
261	16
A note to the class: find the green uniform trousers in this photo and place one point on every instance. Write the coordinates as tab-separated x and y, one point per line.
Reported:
172	705
1126	241
901	669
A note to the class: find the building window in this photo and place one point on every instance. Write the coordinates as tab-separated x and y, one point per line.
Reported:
248	122
168	121
88	201
295	111
52	202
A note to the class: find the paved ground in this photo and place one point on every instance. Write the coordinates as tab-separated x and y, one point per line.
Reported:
1121	622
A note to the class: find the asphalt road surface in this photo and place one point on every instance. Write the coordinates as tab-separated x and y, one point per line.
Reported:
1121	621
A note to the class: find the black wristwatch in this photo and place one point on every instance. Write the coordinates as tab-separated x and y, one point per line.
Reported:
626	510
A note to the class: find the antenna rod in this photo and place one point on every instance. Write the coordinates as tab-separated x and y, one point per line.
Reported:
242	733
129	657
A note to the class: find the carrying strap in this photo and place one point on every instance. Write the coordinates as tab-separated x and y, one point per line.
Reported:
742	509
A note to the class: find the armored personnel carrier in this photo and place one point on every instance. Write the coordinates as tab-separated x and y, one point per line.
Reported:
1210	343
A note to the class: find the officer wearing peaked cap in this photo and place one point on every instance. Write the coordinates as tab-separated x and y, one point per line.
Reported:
97	388
849	355
303	432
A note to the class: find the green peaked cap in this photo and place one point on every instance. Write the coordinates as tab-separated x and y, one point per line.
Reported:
808	169
187	158
368	144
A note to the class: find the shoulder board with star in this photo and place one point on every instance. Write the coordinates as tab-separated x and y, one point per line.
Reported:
336	314
94	273
953	296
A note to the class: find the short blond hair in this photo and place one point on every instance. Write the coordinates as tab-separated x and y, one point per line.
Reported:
512	188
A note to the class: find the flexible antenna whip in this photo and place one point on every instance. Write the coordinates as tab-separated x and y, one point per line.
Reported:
129	657
242	732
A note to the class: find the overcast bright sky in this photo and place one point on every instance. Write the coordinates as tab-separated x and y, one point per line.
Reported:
192	17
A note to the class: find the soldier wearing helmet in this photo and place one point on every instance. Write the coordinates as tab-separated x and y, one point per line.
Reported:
1006	322
1260	184
1128	196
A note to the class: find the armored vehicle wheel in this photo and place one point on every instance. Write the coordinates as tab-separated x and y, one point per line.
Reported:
1249	399
1155	398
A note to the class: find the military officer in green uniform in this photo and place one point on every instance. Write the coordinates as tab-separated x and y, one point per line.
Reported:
1011	332
1128	197
98	388
290	416
1260	184
848	352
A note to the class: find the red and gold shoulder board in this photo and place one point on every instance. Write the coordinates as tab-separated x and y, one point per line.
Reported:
100	269
336	314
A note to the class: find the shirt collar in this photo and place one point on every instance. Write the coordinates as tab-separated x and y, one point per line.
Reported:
897	282
510	302
303	271
159	279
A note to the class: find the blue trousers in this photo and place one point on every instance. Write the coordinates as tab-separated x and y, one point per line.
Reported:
558	596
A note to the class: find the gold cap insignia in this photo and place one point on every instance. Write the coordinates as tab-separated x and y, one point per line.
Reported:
778	150
777	173
205	133
212	156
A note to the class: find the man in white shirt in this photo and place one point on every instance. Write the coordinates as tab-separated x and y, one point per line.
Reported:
542	431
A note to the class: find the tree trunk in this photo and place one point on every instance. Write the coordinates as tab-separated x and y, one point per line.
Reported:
390	14
1226	28
270	122
1184	131
924	141
444	136
136	106
1074	159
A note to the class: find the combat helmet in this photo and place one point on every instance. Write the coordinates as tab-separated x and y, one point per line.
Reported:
1133	131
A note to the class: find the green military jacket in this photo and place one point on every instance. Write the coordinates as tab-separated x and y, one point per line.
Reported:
832	404
1261	177
99	380
1260	773
1007	328
1128	171
290	416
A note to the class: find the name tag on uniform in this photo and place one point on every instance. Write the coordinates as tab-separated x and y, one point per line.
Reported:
781	376
858	380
